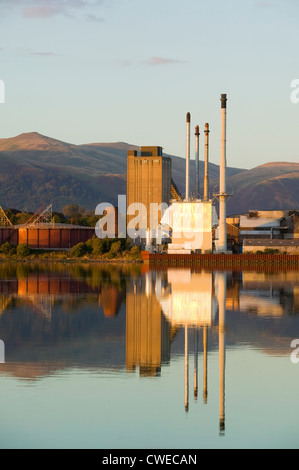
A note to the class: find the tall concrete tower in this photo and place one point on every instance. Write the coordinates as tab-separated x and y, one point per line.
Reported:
148	182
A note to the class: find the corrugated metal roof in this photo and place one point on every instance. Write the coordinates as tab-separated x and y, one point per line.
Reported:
274	242
52	226
258	222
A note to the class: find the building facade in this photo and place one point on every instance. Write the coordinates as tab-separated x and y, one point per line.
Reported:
148	182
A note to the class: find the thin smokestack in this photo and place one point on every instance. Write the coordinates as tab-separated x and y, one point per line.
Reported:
196	162
187	154
206	177
222	182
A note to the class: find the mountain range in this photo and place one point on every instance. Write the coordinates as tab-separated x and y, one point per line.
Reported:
36	170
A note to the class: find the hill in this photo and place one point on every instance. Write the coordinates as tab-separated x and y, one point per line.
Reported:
266	187
37	170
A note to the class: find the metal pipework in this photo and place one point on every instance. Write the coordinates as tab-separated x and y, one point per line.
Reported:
222	182
188	119
196	189
206	176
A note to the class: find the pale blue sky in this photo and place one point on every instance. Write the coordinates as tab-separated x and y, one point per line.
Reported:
129	70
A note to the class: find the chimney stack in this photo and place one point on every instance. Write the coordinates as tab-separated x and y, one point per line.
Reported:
222	182
196	192
187	155
206	176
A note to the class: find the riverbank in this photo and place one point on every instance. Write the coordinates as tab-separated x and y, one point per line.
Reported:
68	260
92	251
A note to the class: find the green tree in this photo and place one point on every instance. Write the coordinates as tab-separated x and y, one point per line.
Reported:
72	210
115	248
7	248
23	250
78	250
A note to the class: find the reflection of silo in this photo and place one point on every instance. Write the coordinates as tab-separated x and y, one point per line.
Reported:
146	330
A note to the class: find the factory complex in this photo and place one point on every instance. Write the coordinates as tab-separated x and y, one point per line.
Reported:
198	223
161	220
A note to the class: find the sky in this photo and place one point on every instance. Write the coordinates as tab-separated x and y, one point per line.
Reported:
86	71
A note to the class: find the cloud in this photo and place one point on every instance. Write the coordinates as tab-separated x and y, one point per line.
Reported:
94	18
152	62
156	61
126	63
44	54
49	8
31	52
42	11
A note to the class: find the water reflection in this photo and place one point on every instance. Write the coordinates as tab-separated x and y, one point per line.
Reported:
135	320
188	300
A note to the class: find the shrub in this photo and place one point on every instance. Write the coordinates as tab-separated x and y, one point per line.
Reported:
78	250
115	248
135	250
7	249
23	250
97	246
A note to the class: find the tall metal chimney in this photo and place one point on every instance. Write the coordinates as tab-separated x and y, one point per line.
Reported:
196	191
187	155
206	176
222	182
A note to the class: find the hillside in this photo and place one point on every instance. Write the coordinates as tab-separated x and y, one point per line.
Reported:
266	187
37	170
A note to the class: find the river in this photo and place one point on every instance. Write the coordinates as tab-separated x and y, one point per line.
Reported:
127	357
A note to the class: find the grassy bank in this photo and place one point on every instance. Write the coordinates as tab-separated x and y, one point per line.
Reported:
94	250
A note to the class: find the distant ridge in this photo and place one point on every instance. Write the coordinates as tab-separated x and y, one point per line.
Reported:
37	169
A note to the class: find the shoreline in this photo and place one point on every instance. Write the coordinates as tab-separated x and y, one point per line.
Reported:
223	261
70	260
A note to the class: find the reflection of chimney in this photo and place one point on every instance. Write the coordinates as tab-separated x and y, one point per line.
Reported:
206	176
187	155
196	192
221	303
222	182
196	364
205	364
186	371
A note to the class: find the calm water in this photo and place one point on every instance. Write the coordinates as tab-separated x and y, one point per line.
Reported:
122	357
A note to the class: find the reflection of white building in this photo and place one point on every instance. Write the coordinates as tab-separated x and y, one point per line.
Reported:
190	299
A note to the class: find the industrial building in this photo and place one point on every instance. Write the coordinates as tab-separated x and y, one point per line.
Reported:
41	233
148	182
267	230
188	224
